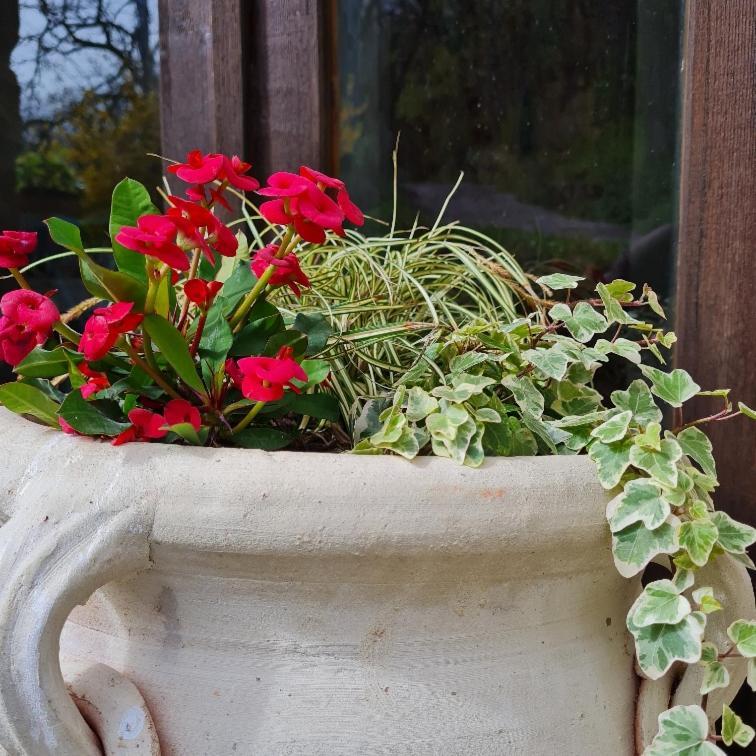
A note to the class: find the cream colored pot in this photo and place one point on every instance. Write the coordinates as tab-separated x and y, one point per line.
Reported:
238	602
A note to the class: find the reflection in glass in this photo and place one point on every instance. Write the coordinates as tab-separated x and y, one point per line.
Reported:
561	113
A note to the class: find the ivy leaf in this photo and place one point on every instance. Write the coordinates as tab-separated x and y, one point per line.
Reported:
575	399
635	546
637	398
612	307
653	301
528	397
734	730
743	634
551	362
29	400
614	428
625	348
696	445
420	404
84	417
650	438
734	536
641	501
704	598
660	465
658	647
130	200
171	344
659	603
584	322
683	731
698	537
747	411
751	678
557	281
675	387
611	460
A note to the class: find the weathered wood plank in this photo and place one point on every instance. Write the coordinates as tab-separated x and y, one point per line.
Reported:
201	76
287	111
716	272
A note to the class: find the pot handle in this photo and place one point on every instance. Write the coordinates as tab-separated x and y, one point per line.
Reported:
682	684
53	555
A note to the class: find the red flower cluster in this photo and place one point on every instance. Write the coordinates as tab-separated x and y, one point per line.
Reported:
195	221
150	426
287	270
303	200
104	327
26	320
154	235
202	292
265	378
97	381
15	248
202	169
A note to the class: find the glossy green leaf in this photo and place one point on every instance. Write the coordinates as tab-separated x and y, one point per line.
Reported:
675	387
420	404
216	339
43	363
263	321
316	327
24	399
267	439
174	349
84	417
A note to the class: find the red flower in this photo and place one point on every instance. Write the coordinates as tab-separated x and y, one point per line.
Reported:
287	271
154	235
274	211
202	292
104	327
265	378
16	341
180	411
320	178
31	309
351	212
97	381
15	248
233	372
198	168
194	221
283	184
233	171
145	426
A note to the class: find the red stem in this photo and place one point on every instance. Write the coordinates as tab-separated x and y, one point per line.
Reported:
198	334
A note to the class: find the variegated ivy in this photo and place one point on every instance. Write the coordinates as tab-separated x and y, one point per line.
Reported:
527	388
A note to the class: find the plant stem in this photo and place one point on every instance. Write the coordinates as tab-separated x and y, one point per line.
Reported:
715	418
288	241
248	418
236	405
154	374
198	334
192	274
19	276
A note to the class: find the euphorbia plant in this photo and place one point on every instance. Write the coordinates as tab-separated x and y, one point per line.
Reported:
179	345
526	388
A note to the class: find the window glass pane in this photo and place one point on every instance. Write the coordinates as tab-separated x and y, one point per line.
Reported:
561	113
78	112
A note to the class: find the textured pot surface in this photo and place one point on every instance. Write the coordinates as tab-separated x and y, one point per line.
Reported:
321	604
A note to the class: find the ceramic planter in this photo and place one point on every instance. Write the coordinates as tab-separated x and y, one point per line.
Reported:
252	603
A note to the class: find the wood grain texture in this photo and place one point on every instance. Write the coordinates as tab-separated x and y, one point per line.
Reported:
716	273
201	85
287	90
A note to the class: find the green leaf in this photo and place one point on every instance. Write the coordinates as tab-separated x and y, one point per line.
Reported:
65	234
653	301
575	399
420	404
747	411
41	363
268	439
187	432
743	634
216	339
84	417
641	501
734	730
660	465
319	405
551	362
659	603
557	281
704	598
584	322
28	400
236	286
683	731
613	429
611	460
263	321
528	397
464	386
675	387
620	289
751	675
317	371
455	447
612	307
635	546
289	338
625	348
639	401
696	445
509	439
709	652
464	362
316	327
658	647
734	536
174	349
130	200
650	438
698	537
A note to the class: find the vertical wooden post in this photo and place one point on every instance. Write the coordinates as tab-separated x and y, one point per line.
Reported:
716	269
201	76
287	90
